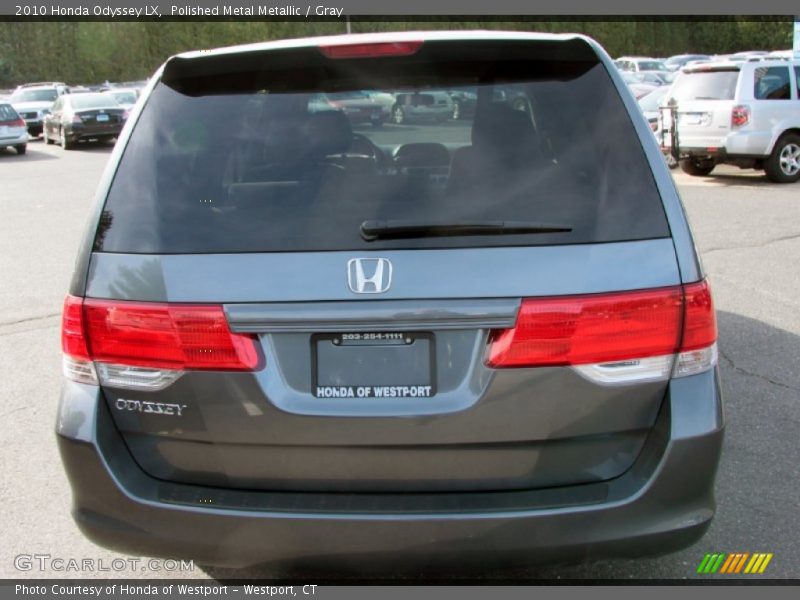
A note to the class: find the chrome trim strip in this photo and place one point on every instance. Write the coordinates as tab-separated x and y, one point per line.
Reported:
391	315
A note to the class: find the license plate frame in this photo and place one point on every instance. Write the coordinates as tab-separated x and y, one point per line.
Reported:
378	342
102	118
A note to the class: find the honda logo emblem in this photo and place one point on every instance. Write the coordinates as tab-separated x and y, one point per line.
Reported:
369	275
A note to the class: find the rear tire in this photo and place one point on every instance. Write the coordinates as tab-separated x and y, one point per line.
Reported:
65	143
21	148
46	137
697	168
783	165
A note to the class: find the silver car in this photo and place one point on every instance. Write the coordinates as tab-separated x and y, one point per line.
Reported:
286	341
13	131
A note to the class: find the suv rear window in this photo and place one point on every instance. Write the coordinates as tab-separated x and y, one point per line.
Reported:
48	95
706	85
266	152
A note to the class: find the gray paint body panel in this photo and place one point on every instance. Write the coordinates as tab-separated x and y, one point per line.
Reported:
322	276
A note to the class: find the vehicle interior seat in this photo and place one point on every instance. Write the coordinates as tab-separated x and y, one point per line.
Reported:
423	163
504	144
427	155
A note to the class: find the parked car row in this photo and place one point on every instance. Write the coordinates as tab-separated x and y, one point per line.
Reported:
675	63
65	114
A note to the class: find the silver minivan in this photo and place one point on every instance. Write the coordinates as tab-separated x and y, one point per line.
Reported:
292	338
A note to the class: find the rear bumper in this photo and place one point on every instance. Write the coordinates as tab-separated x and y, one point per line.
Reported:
734	146
85	132
18	141
663	503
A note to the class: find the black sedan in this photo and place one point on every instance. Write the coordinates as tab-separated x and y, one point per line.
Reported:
81	117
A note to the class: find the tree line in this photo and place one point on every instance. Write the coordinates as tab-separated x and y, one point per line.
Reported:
95	51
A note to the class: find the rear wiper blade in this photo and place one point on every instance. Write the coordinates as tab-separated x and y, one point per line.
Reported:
397	229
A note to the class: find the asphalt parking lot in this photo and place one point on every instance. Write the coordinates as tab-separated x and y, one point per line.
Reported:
747	231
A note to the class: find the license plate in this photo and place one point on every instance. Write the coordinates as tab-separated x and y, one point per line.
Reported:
101	118
692	118
373	365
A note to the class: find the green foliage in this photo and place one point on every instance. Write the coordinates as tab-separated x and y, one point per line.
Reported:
90	52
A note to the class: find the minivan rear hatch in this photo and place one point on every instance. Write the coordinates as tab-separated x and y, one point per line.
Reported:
380	271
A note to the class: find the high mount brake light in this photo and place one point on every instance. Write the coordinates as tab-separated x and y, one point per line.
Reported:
137	342
371	50
624	330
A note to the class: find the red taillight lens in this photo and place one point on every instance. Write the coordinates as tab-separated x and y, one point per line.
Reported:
740	115
371	50
699	321
590	329
161	336
73	338
606	328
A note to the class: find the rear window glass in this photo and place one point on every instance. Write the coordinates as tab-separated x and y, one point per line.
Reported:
34	96
124	97
705	85
86	101
7	113
772	83
255	154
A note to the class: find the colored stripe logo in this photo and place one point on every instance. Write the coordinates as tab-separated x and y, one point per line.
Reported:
735	563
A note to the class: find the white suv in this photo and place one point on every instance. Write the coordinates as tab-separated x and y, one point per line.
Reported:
746	114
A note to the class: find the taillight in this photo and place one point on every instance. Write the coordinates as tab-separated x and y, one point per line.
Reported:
146	345
78	365
617	337
371	50
740	115
18	123
77	119
698	351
